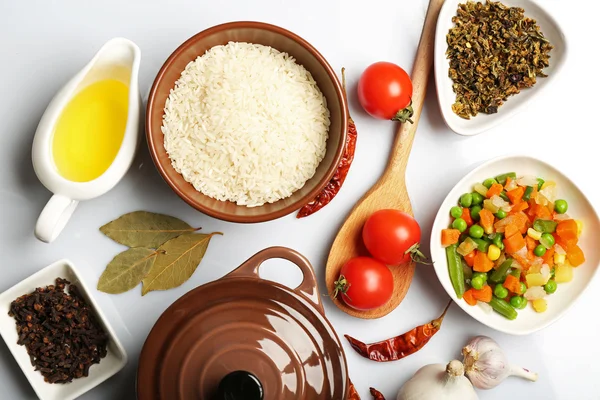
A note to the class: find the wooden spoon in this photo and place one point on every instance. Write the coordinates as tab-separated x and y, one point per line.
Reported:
390	191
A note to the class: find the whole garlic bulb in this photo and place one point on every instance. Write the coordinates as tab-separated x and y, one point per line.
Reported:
438	382
486	365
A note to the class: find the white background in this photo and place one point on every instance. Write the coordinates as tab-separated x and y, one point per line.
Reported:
42	43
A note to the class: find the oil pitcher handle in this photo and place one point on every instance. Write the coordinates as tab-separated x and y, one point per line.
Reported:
307	288
54	217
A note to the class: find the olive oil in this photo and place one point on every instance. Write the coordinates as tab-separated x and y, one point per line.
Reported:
90	130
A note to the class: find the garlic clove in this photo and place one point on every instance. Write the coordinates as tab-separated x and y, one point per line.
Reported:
486	365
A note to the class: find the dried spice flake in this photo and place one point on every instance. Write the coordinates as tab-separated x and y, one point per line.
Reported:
60	331
494	52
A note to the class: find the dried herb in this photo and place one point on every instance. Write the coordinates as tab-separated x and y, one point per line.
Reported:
60	331
126	270
176	261
400	346
145	229
494	52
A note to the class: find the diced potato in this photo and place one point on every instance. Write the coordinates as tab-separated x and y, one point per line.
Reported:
540	305
547	184
535	280
579	227
563	273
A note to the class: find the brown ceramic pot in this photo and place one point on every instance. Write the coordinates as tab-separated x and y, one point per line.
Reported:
244	323
282	40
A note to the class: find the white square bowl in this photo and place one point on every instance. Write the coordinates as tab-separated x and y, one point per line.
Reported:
565	296
446	97
115	359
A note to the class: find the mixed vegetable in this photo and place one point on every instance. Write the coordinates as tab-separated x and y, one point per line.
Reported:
510	242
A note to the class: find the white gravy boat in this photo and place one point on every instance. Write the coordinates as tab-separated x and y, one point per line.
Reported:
118	59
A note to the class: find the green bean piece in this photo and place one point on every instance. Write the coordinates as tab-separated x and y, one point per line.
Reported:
476	198
527	194
455	270
540	183
499	275
497	240
489	182
503	308
482	245
502	178
544	226
516	273
503	196
475	210
467	271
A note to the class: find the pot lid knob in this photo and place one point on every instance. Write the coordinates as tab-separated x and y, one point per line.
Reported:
240	385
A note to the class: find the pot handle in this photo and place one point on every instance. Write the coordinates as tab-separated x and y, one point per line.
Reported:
308	287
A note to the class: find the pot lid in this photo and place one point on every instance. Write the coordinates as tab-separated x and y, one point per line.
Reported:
243	330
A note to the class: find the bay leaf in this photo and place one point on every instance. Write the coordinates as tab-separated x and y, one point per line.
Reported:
126	270
145	229
176	261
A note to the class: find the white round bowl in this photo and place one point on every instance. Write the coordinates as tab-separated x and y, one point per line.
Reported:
580	208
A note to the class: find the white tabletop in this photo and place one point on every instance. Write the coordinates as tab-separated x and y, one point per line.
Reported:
42	43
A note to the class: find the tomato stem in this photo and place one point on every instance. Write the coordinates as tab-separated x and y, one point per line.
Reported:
417	255
341	286
405	114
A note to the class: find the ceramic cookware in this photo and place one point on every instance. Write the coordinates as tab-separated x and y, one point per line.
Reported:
243	337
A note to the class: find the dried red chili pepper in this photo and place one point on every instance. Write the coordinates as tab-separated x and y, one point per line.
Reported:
335	184
376	394
400	346
352	393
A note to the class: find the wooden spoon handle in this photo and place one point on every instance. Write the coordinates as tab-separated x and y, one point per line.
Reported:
419	77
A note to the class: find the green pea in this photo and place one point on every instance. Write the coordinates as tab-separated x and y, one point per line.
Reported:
482	275
516	301
477	198
523	287
475	210
460	224
500	291
466	200
476	231
539	250
489	182
550	286
547	240
497	240
456	212
501	214
477	283
561	206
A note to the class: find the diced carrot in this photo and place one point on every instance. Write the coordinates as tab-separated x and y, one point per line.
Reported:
525	263
548	257
530	255
510	230
531	243
466	215
516	195
482	262
521	220
486	220
470	258
484	294
468	297
522	206
563	243
514	243
513	284
494	190
450	236
542	212
575	255
567	230
508	181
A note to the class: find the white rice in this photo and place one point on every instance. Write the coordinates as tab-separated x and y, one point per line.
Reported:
246	123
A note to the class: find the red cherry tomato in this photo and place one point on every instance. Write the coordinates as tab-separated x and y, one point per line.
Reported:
385	91
365	283
392	237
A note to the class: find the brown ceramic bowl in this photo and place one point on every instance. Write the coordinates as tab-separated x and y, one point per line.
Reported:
282	40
